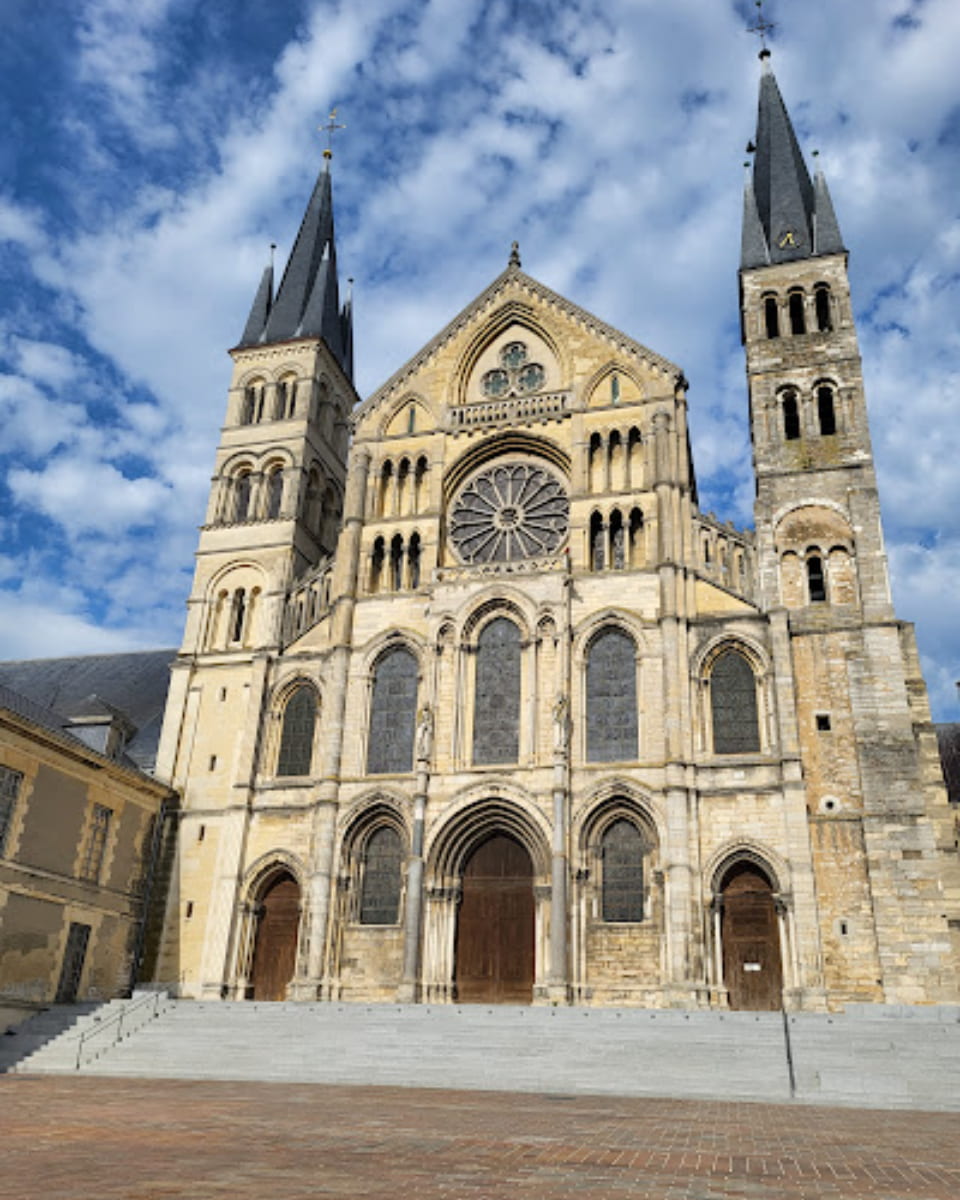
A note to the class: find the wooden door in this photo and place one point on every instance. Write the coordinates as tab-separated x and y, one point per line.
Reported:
752	968
275	943
494	950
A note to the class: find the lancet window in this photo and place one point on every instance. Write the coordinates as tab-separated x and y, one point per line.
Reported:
496	719
733	705
297	732
611	697
381	876
393	713
621	854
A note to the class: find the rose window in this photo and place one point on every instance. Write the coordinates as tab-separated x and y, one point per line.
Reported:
515	376
509	512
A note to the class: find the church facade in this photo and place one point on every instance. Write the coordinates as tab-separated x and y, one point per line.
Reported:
475	704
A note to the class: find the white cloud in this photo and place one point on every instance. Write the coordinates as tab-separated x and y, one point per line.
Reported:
88	495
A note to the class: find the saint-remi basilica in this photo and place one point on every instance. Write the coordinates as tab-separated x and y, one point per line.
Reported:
475	704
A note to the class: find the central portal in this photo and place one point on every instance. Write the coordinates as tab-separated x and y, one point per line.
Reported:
494	951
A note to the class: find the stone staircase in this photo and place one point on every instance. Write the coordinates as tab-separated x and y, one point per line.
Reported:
868	1057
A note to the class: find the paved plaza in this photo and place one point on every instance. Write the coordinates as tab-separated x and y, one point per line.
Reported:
68	1138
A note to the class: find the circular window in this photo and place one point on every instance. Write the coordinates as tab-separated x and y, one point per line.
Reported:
509	512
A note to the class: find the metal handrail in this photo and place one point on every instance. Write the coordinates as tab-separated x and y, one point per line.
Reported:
152	1000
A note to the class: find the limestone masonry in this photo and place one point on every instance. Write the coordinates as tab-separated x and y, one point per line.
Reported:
475	704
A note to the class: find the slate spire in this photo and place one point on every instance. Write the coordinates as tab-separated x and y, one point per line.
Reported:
786	215
307	303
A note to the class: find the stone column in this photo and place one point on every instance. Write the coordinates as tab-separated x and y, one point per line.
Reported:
409	989
558	977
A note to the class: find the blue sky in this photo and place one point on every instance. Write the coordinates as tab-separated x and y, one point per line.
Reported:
156	147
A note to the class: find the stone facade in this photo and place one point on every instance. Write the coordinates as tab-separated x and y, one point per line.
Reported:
712	746
77	836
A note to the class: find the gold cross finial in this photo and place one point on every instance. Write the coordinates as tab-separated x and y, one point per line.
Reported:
761	27
329	129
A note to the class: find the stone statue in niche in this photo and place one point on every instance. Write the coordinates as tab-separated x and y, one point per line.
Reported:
561	724
424	733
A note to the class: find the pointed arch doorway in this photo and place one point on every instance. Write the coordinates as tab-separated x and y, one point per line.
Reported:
750	933
275	939
494	954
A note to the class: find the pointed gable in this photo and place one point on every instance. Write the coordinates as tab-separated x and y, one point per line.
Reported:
513	299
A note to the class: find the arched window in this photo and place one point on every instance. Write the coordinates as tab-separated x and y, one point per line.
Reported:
614	388
798	318
238	615
413	561
419	485
771	316
496	716
403	487
822	300
733	704
595	462
280	401
621	854
393	713
243	491
249	403
376	564
636	538
596	542
816	581
386	479
611	697
618	550
380	882
274	493
296	736
826	412
396	563
791	417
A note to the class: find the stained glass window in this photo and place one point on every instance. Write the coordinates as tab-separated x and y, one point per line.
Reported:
611	697
733	701
496	718
380	886
622	890
296	736
393	713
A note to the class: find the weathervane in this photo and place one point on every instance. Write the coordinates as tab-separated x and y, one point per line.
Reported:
329	129
761	28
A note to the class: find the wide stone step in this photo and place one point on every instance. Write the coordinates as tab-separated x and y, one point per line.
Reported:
874	1059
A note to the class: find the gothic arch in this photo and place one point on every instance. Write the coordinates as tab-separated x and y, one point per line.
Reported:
399	636
262	870
612	799
470	821
752	650
745	850
502	602
612	367
395	408
590	627
511	313
388	801
499	445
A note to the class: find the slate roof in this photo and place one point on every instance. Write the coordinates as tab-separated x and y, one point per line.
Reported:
135	683
948	738
307	303
781	198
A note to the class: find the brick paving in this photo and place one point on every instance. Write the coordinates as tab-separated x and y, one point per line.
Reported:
70	1138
